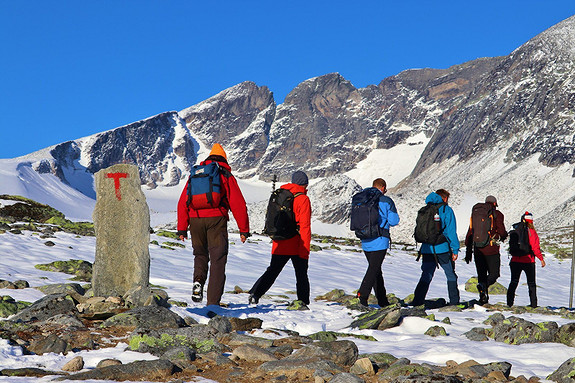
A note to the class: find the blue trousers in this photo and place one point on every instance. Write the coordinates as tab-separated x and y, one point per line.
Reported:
428	267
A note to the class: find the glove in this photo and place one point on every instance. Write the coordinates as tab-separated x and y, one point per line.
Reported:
247	235
468	254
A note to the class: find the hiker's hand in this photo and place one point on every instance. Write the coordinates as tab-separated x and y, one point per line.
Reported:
543	263
182	234
468	255
454	256
244	237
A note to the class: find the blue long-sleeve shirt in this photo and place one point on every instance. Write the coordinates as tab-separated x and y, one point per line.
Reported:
387	217
448	225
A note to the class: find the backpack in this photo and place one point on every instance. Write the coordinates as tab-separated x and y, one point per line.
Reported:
365	215
482	216
428	226
204	186
280	221
519	240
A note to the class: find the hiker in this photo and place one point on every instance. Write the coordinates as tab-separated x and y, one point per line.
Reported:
524	260
208	226
375	248
483	241
443	253
295	249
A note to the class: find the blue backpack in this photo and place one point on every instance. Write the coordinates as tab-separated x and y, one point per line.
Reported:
365	215
205	187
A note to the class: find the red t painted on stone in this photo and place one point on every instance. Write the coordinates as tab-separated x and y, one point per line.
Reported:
116	177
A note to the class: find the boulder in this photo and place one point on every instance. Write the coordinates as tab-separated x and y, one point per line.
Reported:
381	319
148	317
122	224
253	354
159	369
47	307
74	365
565	372
342	352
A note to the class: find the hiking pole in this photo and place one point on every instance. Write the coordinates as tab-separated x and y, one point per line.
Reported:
572	269
274	180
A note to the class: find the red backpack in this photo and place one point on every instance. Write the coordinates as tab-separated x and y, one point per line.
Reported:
482	217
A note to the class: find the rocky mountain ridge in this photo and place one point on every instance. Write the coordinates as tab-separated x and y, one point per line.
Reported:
487	115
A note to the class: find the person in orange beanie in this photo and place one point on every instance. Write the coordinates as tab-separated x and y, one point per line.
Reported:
203	209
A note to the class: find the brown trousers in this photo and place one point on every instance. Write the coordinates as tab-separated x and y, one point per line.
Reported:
210	243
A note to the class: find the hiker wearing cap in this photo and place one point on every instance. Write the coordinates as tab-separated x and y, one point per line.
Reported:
296	248
486	232
205	213
376	239
523	257
444	253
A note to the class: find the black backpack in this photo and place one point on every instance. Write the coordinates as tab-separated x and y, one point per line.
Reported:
365	214
519	240
280	219
482	216
428	226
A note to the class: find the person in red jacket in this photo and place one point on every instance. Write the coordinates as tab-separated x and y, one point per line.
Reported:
295	249
487	258
525	263
209	230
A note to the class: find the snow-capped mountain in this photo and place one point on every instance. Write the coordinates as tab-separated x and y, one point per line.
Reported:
500	126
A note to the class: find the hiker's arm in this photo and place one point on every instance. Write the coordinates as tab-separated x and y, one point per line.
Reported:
302	211
183	215
450	231
238	205
388	212
500	226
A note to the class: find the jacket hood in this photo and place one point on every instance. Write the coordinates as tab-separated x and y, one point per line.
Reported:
294	188
433	198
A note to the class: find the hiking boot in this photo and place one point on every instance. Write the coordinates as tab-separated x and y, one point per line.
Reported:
483	295
197	292
253	300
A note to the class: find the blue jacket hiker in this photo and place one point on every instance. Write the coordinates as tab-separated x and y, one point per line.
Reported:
443	254
375	249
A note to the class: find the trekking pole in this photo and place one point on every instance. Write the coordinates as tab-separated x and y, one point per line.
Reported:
572	269
274	180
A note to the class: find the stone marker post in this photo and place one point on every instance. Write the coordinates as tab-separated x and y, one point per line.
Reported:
122	225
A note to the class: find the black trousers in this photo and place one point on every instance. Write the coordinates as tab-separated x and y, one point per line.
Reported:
487	268
265	282
374	278
516	269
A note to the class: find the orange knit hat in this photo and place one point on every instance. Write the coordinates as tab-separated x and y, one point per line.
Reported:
217	150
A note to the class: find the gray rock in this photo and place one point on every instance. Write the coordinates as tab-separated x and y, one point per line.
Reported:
108	362
21	284
47	307
201	338
415	378
342	352
482	370
159	369
519	331
180	356
253	354
74	365
148	317
398	369
379	319
566	334
565	372
62	288
478	334
234	340
122	225
27	372
299	365
245	324
436	331
51	343
362	366
346	377
69	321
221	323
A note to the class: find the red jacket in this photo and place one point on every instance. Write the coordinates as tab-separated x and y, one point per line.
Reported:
535	249
298	245
232	199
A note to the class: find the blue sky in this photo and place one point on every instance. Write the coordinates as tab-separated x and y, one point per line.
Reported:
69	69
